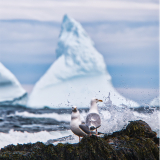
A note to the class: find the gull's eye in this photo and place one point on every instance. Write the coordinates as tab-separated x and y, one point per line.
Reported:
96	99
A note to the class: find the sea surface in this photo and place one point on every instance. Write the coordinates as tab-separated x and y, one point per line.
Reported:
19	124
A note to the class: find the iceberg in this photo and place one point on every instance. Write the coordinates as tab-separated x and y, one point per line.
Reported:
155	102
11	92
78	74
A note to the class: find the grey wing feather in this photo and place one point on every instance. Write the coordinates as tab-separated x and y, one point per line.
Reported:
84	128
93	120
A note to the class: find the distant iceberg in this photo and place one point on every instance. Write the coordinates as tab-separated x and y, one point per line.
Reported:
155	102
78	74
11	92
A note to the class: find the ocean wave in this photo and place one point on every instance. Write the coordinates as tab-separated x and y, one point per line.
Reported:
56	116
114	119
14	137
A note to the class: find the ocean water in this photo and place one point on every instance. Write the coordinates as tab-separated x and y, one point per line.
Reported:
19	124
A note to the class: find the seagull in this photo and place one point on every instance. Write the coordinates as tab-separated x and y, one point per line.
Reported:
93	120
77	126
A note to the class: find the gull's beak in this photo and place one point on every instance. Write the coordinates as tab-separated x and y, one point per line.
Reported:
74	109
100	100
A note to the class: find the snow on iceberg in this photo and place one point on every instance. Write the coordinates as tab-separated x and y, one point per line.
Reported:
78	74
10	89
155	102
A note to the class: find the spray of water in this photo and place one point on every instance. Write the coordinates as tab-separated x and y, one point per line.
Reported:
115	118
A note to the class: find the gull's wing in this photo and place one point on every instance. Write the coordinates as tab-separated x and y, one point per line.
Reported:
93	121
84	128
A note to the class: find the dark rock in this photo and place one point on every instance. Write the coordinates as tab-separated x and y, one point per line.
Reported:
140	129
136	142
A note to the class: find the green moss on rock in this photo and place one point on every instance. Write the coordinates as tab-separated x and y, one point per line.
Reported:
140	129
136	142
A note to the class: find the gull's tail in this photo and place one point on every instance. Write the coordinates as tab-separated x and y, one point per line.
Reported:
99	133
93	127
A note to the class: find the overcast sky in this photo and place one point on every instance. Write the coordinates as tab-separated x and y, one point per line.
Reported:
124	32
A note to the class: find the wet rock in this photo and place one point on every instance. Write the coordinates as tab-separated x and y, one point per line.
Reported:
140	129
136	142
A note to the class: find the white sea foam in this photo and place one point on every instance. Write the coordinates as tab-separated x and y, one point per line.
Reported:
56	116
14	137
113	119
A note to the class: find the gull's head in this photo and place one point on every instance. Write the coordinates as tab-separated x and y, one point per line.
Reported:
75	113
95	100
74	109
93	108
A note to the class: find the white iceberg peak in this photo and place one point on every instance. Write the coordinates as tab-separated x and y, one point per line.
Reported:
10	88
76	56
78	74
71	30
78	49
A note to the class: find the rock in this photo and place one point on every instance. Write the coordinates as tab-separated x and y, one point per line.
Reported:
136	142
140	129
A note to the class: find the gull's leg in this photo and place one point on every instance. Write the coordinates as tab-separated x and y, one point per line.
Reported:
79	138
96	131
90	133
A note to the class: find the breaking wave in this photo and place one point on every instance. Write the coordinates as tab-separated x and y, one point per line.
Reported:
54	127
56	116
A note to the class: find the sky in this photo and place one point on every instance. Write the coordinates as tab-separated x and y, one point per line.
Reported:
126	33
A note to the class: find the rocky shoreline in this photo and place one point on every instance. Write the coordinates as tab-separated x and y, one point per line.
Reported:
136	142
